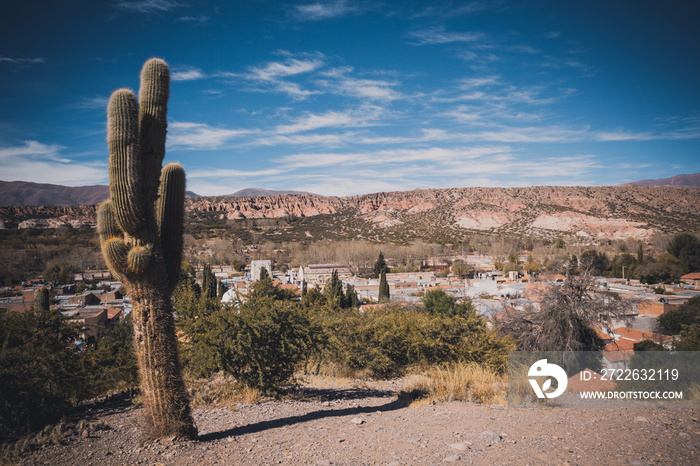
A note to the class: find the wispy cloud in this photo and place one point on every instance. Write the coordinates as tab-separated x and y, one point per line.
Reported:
438	35
189	136
91	103
148	6
322	10
23	61
187	74
274	76
44	163
196	20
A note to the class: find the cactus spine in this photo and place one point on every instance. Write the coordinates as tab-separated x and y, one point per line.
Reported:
140	230
42	300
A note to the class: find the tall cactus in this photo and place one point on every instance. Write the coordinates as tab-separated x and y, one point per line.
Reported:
140	230
42	299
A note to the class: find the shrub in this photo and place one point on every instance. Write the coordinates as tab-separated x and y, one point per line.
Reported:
384	342
41	371
675	320
262	345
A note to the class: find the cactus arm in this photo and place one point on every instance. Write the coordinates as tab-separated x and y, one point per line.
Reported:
115	253
170	214
106	223
153	97
125	168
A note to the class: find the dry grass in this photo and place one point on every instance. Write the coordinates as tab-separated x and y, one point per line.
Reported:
456	382
220	390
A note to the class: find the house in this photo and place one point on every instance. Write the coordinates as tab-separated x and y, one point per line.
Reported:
108	296
88	299
257	266
321	273
114	315
691	279
93	319
635	336
655	308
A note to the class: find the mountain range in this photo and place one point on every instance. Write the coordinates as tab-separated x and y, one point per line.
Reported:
684	181
436	215
26	193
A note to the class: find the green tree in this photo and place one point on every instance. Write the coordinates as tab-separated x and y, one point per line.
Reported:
595	262
383	287
648	345
436	301
351	297
379	266
686	248
113	361
334	291
263	344
690	338
59	272
41	372
674	321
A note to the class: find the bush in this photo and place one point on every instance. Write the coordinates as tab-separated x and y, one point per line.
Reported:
385	342
262	345
41	371
673	321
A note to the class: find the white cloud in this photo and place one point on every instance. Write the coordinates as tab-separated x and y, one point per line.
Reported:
200	136
229	172
91	103
311	122
430	155
272	76
43	163
438	35
322	10
187	74
22	61
148	6
363	116
293	66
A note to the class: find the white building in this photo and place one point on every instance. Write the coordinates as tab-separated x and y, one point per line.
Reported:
257	266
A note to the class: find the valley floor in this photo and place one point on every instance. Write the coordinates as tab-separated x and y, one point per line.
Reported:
341	422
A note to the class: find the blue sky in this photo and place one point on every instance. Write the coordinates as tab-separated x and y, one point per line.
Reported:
349	97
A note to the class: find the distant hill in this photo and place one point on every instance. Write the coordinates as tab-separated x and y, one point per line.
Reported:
256	192
26	193
684	181
580	214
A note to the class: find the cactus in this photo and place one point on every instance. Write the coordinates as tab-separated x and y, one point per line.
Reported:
140	230
42	300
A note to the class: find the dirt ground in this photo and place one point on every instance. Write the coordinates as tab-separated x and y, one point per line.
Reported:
364	423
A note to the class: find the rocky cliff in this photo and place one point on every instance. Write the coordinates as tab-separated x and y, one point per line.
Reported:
588	212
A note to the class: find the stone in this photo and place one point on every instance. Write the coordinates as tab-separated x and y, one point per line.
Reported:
85	433
463	446
641	419
491	435
451	459
357	421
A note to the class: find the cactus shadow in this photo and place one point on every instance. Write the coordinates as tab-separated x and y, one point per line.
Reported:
323	394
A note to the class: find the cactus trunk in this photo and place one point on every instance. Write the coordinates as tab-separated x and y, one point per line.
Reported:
140	230
163	392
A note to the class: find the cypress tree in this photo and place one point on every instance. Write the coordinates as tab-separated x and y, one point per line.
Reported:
383	287
380	265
